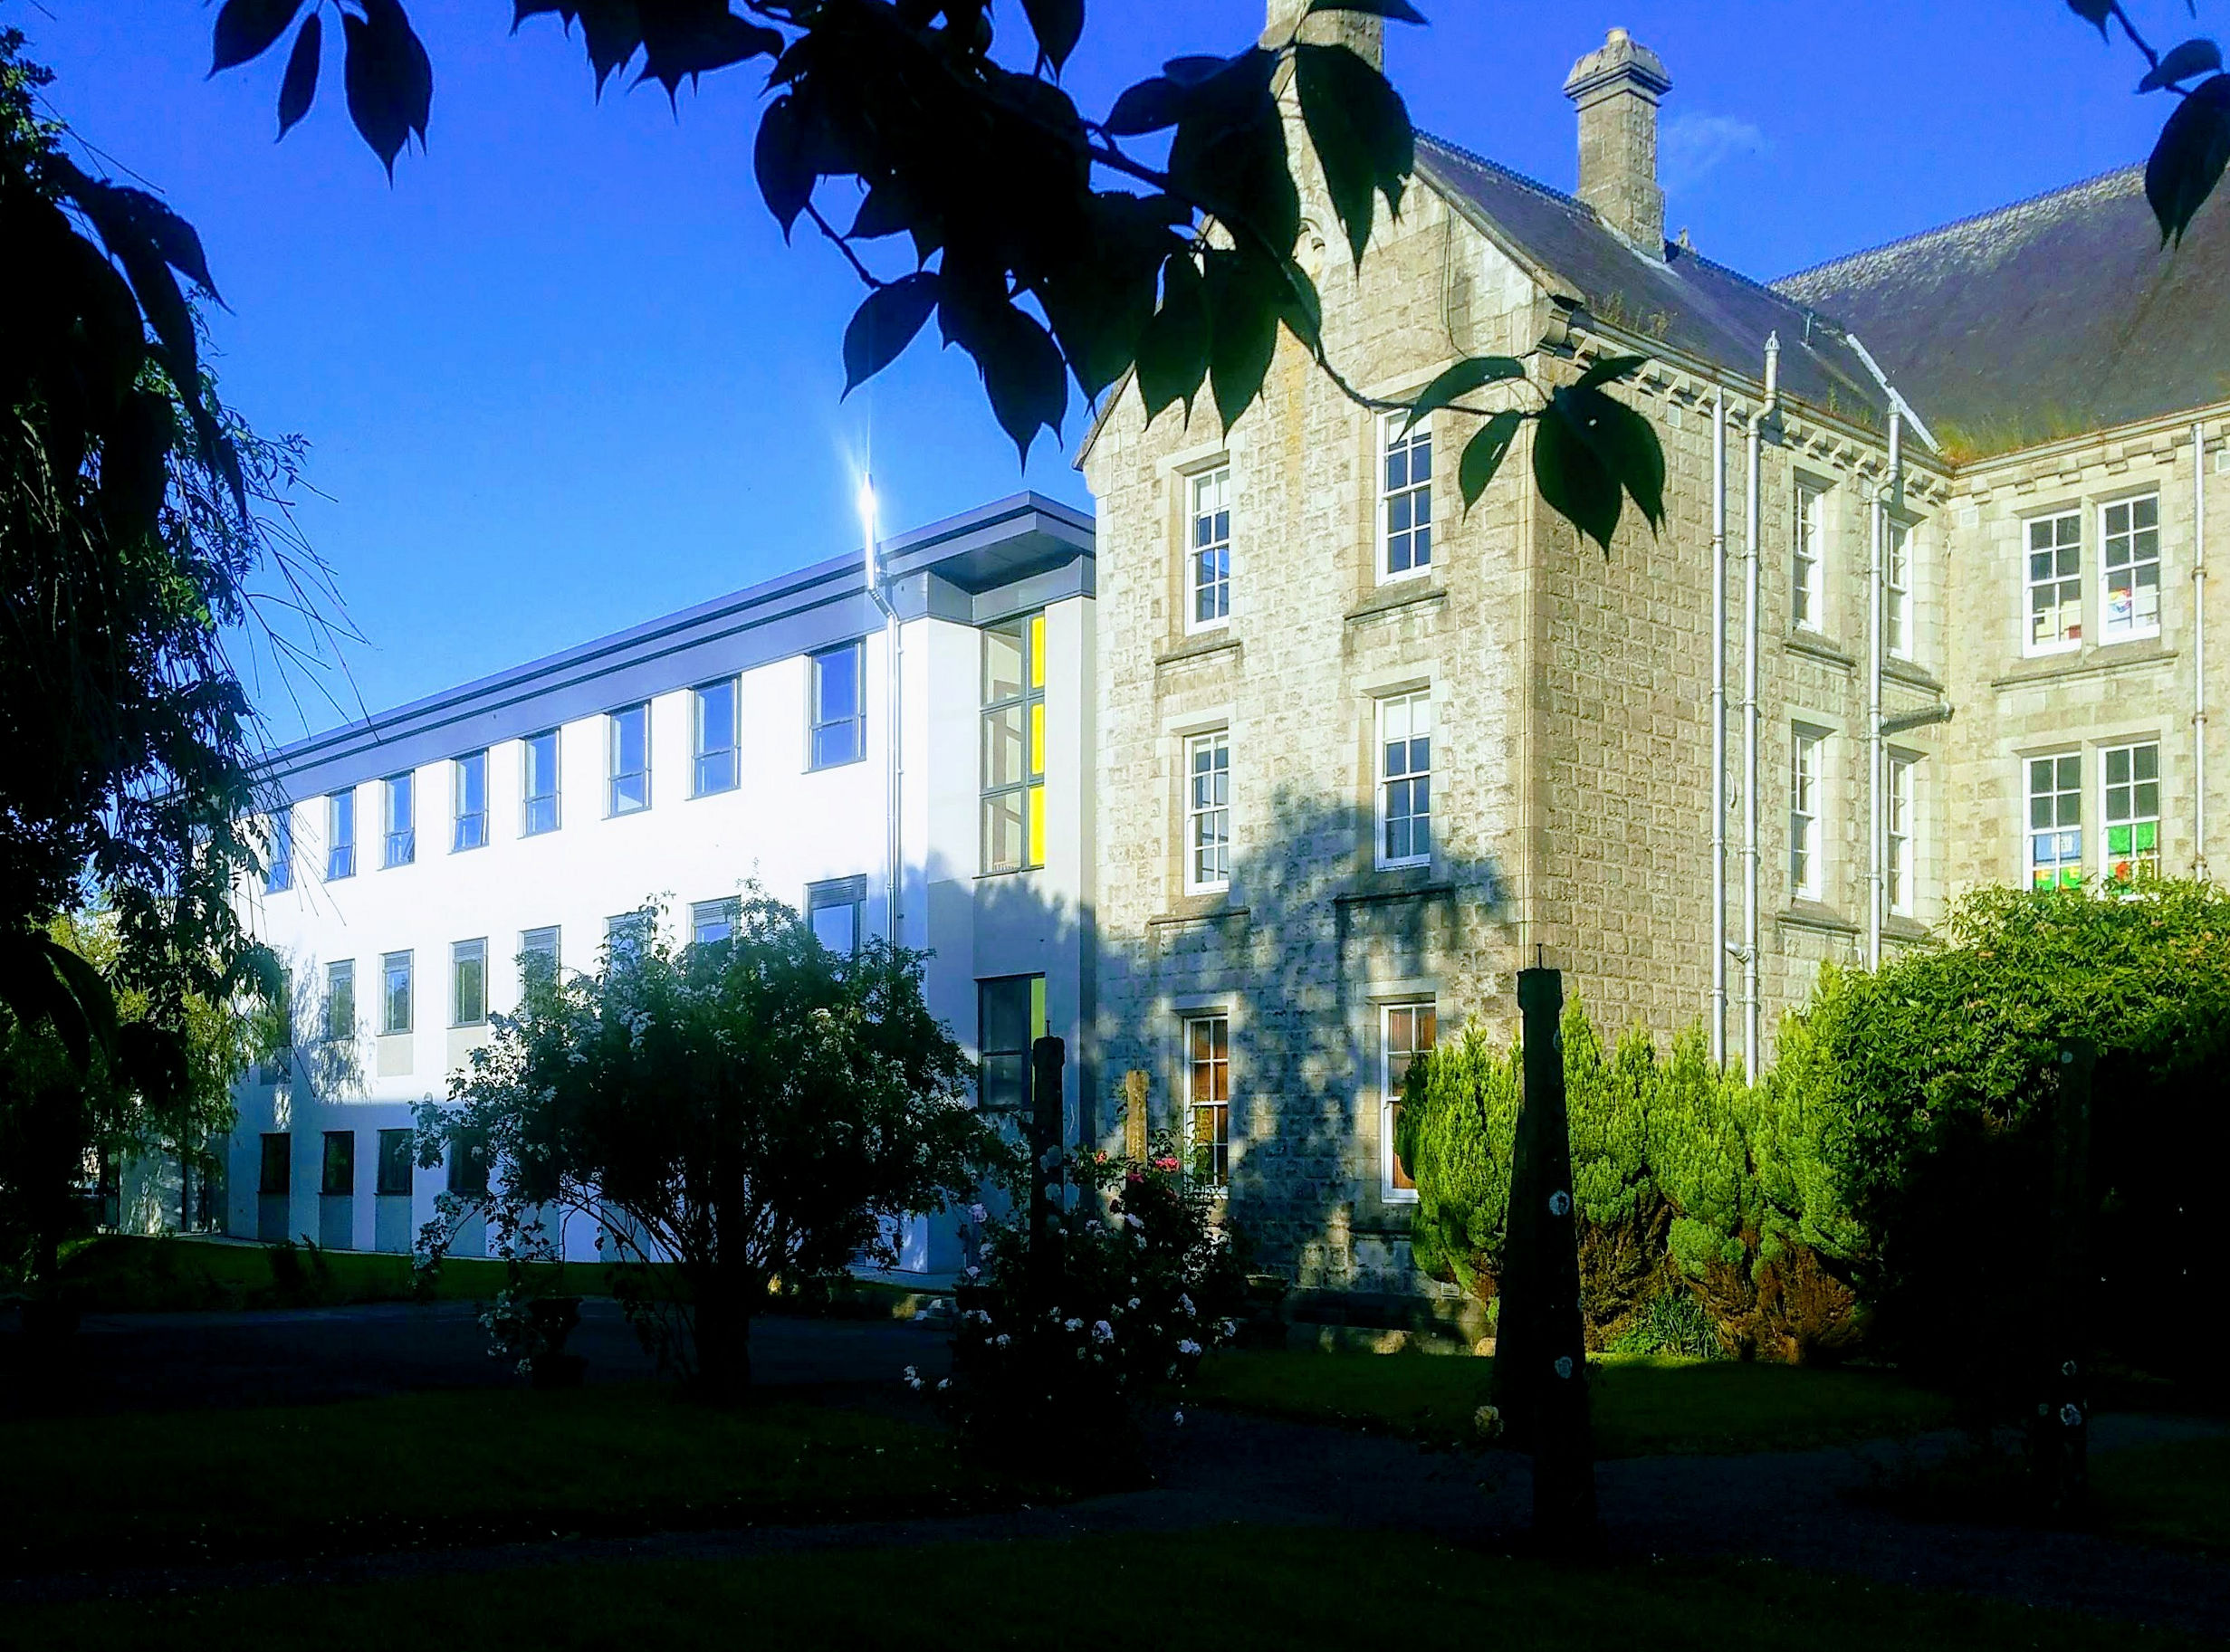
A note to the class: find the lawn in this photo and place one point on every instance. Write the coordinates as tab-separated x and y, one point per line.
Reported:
454	1468
2177	1493
1224	1590
1642	1406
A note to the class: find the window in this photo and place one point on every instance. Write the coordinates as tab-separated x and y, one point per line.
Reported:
1209	559
281	875
537	809
1897	865
628	738
278	1165
1805	594
1405	779
2131	608
468	1164
1405	507
341	1000
395	993
538	956
468	780
2055	821
2132	811
713	765
628	937
2056	584
395	1164
1207	812
340	835
1405	1031
839	708
1208	1095
1897	582
711	921
400	846
1014	744
1010	1015
468	983
837	913
1804	813
339	1177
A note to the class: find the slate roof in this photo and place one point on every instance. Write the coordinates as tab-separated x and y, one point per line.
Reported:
1700	308
2050	318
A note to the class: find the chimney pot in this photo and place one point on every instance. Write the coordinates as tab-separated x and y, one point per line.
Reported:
1616	89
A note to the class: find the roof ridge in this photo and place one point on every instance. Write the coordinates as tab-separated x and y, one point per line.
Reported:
2113	175
1534	183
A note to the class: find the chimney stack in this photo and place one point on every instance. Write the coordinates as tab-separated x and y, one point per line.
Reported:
1616	88
1364	35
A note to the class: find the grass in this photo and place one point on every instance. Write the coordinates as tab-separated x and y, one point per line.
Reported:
454	1467
1642	1406
1224	1590
2177	1493
124	1273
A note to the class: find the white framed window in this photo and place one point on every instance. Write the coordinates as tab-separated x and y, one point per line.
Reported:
340	835
1806	748
1404	747
628	936
538	956
712	920
713	765
1405	1031
400	844
537	783
468	982
395	993
2055	820
1897	591
1208	1095
837	716
2130	568
1404	499
279	877
1207	812
837	913
1897	858
2054	584
1208	555
1806	557
627	743
2131	775
468	786
341	1000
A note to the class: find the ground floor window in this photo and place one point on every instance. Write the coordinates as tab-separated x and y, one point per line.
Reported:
396	1163
278	1167
1208	1095
2132	811
2055	821
1010	1012
1405	1031
340	1166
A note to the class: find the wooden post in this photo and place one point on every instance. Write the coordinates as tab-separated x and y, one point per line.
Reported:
1540	1348
2061	1429
1134	1114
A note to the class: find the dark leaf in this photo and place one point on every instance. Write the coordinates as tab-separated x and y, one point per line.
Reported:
301	84
1572	480
1242	327
2093	11
786	177
1461	380
1059	25
132	218
1401	11
1023	374
2187	161
135	467
388	79
1173	350
1484	452
1198	70
246	29
683	43
1300	306
1609	369
1229	155
885	324
888	208
91	994
2181	62
1621	439
1147	106
1360	129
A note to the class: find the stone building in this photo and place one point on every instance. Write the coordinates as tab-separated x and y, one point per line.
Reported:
1363	754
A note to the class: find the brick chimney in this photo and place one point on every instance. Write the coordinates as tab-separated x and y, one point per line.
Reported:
1364	35
1617	88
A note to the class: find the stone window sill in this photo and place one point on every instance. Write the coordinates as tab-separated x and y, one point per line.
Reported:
1389	598
1199	909
2100	657
1815	915
1814	646
1199	647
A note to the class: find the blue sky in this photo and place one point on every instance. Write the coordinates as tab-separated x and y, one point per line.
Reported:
564	375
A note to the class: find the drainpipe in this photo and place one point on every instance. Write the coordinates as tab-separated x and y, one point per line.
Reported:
1750	645
2198	649
1719	728
878	587
1886	499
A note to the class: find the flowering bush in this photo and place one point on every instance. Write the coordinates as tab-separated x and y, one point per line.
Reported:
1145	1280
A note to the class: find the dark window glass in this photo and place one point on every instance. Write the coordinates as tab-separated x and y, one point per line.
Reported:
1011	1012
395	1163
340	1172
468	1165
278	1166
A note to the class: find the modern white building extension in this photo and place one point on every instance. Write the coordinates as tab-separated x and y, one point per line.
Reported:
428	855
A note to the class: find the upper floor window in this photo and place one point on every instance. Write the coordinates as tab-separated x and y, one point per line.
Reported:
399	848
1405	499
628	936
1897	591
1207	812
713	765
2055	585
1405	779
395	993
2055	821
280	876
537	957
1898	867
538	807
1804	813
2130	606
468	983
2132	775
1405	1031
1808	556
1014	744
836	911
468	778
838	713
711	921
1210	555
341	1000
628	734
1208	1095
340	835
